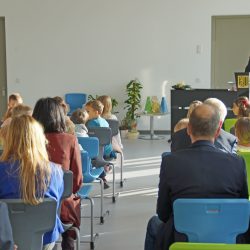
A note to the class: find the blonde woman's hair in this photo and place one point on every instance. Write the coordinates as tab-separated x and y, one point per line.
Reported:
96	105
25	142
242	130
21	109
107	106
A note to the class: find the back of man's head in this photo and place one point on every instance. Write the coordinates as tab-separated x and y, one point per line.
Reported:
204	122
219	105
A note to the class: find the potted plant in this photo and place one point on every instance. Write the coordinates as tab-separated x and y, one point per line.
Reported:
124	128
133	104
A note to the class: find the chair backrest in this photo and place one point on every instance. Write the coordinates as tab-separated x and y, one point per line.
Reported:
30	222
6	237
68	184
229	123
246	156
208	246
211	220
75	100
104	135
114	125
89	144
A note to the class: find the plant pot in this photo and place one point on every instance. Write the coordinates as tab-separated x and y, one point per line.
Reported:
133	135
124	133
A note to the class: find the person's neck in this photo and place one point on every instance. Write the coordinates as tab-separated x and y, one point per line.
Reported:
201	138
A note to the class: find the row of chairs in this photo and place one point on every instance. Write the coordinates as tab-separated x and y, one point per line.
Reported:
214	221
92	156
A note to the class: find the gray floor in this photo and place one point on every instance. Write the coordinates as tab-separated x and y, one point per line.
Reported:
125	226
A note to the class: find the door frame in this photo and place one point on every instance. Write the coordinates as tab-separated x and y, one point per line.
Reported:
3	89
213	44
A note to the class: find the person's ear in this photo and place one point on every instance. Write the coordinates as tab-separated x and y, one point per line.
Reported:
218	129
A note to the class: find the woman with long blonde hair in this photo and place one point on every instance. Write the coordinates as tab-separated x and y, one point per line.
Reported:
25	171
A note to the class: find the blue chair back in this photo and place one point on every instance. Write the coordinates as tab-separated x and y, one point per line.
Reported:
114	125
75	101
89	144
211	220
90	147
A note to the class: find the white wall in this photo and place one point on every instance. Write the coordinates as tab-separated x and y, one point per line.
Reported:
96	46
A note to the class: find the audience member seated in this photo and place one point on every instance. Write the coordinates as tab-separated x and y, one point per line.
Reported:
201	171
94	109
18	110
70	127
181	124
14	100
25	170
240	106
79	117
62	149
224	141
242	130
106	114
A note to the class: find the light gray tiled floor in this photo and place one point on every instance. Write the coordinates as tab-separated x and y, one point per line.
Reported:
124	228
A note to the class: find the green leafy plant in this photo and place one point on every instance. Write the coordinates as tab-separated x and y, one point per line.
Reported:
133	102
113	100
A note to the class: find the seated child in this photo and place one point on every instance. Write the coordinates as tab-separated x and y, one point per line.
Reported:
79	117
106	114
14	100
94	109
18	110
242	131
241	106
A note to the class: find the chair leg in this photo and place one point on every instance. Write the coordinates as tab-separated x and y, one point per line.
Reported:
113	197
102	188
77	231
92	244
122	158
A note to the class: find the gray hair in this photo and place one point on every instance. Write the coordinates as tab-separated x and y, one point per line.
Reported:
204	121
218	105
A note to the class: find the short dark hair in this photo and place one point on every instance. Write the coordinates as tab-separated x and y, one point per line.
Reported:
204	120
50	114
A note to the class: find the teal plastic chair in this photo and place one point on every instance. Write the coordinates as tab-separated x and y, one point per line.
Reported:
229	123
90	147
246	156
75	101
30	222
104	136
208	246
211	220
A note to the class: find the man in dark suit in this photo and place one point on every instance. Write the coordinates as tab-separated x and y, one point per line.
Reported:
224	141
200	171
